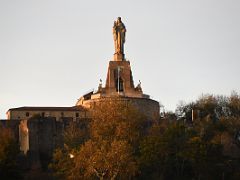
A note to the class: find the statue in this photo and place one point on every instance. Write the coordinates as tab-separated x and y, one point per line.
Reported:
139	88
100	86
119	31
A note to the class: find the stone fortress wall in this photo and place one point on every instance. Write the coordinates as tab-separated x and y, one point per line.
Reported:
147	107
39	137
57	112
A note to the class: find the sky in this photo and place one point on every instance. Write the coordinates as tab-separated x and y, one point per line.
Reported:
54	51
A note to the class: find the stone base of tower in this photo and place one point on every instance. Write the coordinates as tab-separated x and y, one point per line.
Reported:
120	87
119	81
147	107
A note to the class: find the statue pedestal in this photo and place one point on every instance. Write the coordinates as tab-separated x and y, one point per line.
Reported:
118	57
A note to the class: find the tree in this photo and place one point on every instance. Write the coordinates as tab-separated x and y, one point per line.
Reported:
177	151
116	129
162	152
117	119
105	160
62	162
76	133
9	151
213	107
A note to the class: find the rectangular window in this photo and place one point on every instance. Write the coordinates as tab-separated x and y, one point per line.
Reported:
77	114
27	114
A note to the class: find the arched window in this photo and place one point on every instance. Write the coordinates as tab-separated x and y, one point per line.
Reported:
119	85
118	80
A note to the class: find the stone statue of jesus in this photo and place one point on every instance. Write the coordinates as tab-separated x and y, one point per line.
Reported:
119	31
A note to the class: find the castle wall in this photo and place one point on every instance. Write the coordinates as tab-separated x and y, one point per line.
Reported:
25	114
39	137
148	107
145	106
42	138
13	125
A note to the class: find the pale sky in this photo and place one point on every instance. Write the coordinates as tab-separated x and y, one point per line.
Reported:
53	51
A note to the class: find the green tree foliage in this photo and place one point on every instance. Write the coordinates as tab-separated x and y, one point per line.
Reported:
211	107
9	151
206	148
162	152
181	152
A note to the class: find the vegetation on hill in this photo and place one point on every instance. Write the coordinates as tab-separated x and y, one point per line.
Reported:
115	132
123	145
200	141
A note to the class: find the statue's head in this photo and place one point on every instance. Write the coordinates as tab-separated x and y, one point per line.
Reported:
119	19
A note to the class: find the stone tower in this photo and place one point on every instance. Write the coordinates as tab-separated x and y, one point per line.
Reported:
119	81
119	76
